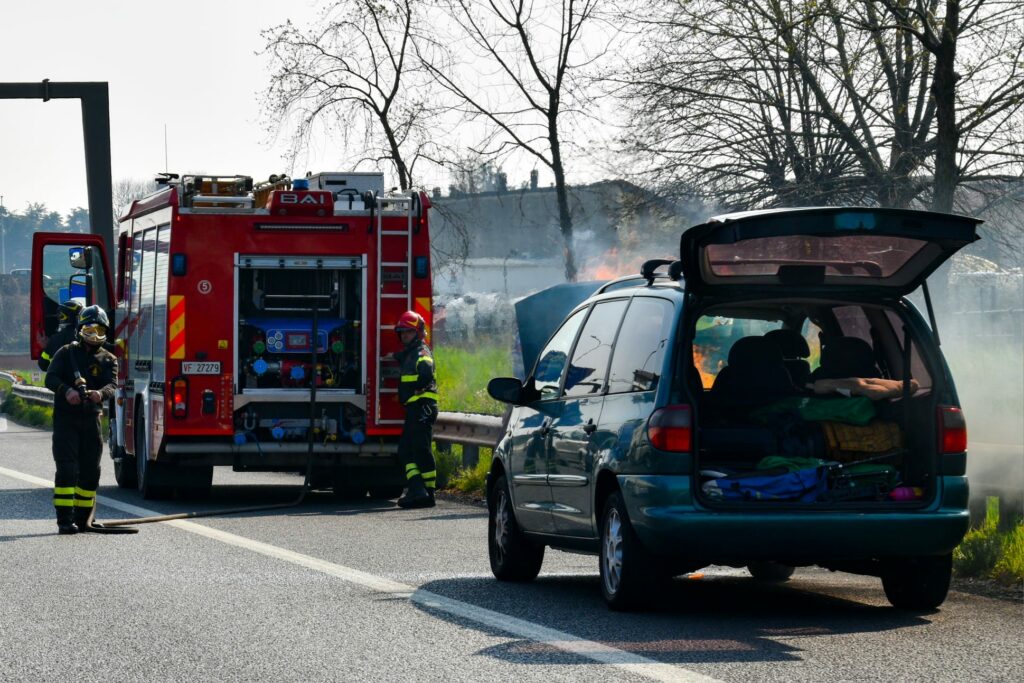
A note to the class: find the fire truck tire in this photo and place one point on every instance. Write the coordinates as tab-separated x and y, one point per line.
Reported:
148	474
124	464
197	483
349	492
385	492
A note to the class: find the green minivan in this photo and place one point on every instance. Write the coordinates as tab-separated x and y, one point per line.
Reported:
768	400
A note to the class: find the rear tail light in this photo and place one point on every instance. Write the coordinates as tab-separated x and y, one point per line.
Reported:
952	430
671	429
179	397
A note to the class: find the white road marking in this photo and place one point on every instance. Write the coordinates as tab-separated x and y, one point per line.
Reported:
567	642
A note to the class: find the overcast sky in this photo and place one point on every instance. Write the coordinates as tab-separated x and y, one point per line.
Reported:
190	66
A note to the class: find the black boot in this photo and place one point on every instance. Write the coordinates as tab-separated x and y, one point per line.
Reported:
83	518
416	496
66	521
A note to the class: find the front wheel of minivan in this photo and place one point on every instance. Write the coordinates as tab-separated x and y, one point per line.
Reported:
629	574
770	572
919	583
514	557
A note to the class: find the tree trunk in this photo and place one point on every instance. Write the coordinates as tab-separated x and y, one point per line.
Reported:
944	92
562	196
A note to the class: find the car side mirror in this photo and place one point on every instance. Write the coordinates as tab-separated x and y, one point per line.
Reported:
506	390
80	257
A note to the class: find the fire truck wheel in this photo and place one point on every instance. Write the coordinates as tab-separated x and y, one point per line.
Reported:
198	482
124	464
385	492
349	492
147	472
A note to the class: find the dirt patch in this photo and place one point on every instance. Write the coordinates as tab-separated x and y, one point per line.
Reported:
456	496
989	589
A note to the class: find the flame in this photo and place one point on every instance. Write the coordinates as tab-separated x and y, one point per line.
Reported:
610	265
702	358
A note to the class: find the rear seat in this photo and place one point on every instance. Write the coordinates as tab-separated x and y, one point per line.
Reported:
755	375
794	350
843	357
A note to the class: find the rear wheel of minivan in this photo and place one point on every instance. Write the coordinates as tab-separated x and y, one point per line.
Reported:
514	557
919	583
629	574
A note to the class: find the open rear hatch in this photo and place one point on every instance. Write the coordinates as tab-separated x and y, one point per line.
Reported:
834	248
831	277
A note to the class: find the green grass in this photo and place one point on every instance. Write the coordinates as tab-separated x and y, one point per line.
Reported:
463	374
462	377
990	553
28	414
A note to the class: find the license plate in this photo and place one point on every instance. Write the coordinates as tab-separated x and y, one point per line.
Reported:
198	368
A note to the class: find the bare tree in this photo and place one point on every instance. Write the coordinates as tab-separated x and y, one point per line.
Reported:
785	102
126	191
354	74
521	71
979	97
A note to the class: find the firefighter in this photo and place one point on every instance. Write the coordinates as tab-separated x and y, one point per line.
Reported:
66	330
417	391
81	377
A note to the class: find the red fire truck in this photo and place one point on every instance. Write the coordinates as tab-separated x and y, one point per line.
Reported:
252	325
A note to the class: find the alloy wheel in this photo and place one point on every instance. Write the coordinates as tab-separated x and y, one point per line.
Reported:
611	554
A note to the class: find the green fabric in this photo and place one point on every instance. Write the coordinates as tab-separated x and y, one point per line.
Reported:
855	410
792	464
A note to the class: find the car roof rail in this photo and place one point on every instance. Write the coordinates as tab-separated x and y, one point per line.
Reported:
648	274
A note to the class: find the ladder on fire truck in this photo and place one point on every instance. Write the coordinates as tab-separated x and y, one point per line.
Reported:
393	204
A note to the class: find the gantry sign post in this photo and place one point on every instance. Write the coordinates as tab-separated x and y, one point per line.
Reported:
96	133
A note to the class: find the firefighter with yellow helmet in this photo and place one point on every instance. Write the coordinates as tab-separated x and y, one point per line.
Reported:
417	391
81	376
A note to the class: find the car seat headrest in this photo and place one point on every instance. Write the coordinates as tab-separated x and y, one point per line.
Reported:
848	357
754	351
790	342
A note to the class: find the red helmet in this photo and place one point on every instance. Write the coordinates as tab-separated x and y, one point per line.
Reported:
411	320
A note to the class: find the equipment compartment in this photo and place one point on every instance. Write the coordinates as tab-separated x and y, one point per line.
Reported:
277	309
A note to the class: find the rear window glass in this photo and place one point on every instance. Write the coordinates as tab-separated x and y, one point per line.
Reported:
871	256
640	348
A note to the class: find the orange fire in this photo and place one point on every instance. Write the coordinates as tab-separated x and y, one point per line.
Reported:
702	360
611	265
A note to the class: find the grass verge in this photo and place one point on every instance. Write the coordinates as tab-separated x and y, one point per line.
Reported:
28	414
988	552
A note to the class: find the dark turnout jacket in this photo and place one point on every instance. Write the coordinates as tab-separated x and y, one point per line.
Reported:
99	370
416	365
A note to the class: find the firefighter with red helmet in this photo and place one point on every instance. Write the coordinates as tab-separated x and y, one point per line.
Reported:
81	376
417	391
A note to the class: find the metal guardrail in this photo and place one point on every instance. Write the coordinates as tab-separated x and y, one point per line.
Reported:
471	431
27	392
38	395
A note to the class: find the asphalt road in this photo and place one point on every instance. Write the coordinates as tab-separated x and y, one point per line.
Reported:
368	592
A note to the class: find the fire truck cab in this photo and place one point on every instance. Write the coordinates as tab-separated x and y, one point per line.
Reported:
253	325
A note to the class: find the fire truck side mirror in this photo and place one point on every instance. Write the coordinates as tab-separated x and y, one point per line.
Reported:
80	257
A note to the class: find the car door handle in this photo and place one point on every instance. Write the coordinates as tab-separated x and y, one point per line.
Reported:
590	427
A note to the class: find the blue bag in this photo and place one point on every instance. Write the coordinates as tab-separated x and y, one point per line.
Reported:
803	485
